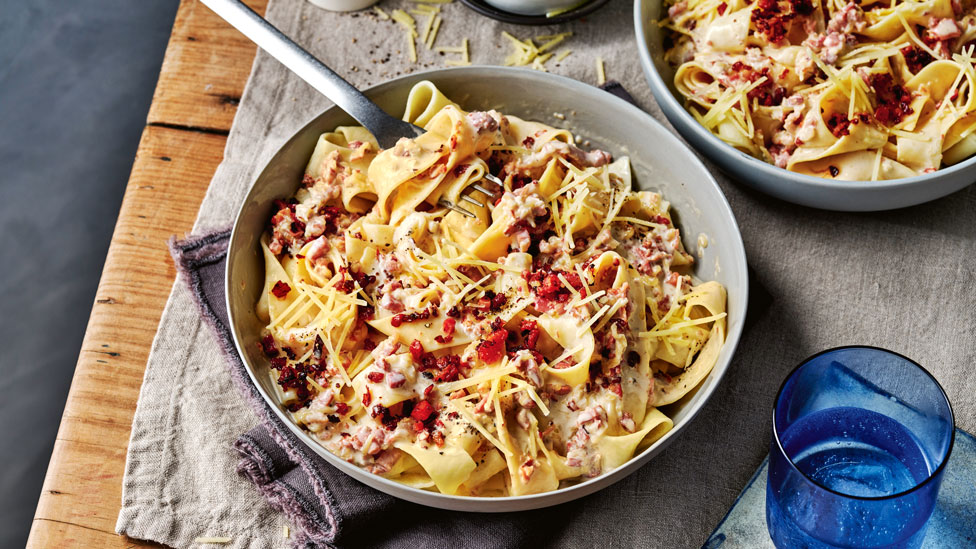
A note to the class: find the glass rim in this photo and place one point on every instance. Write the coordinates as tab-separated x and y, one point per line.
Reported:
935	473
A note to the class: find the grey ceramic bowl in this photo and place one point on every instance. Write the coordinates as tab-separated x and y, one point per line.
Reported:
660	162
852	196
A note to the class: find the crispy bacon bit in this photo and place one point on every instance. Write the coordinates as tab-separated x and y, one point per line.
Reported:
278	362
342	408
492	349
397	380
450	366
287	231
449	326
519	181
838	124
453	312
547	284
528	142
767	94
348	285
422	411
268	345
389	417
280	289
307	181
290	377
530	333
369	344
399	319
834	172
771	18
770	21
417	350
365	312
459	170
722	7
894	102
375	377
916	58
802	7
438	439
367	397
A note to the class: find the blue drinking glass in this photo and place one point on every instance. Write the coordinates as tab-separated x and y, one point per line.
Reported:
860	440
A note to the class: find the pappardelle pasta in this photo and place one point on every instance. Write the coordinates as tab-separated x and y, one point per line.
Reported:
868	90
509	352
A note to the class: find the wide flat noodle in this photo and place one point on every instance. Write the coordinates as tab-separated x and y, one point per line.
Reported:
710	296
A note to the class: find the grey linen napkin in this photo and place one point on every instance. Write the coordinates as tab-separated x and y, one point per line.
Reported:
902	280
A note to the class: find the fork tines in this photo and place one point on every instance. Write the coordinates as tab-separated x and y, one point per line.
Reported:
451	206
480	188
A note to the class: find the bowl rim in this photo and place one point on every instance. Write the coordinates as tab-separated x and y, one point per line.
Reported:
704	391
672	107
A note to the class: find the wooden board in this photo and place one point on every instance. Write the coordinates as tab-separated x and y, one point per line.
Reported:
202	78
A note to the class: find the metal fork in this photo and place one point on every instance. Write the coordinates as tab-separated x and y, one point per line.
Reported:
385	128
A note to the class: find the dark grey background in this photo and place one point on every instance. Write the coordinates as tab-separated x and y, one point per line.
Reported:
76	80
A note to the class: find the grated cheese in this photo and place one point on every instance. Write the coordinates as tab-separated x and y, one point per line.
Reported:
675	328
465	413
601	75
433	32
410	31
877	164
487	375
593	319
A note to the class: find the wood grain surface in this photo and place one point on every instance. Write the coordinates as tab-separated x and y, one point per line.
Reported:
200	84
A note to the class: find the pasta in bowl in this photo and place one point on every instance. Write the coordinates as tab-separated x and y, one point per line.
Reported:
521	353
837	105
851	91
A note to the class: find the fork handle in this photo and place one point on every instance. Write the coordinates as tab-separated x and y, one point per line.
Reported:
384	127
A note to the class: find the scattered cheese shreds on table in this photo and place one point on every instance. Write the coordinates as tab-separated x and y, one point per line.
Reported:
410	31
532	52
433	32
527	54
462	49
601	74
220	540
